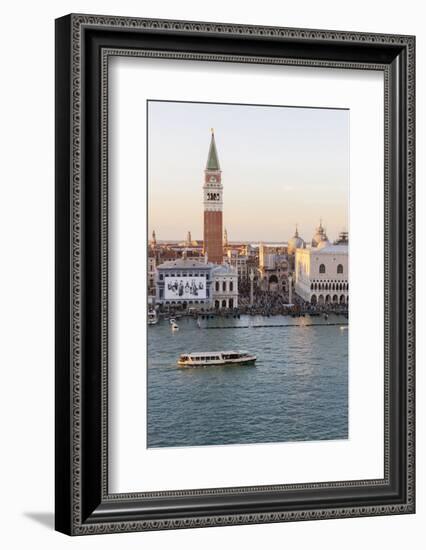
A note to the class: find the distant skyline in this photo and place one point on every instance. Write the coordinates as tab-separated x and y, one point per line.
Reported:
281	166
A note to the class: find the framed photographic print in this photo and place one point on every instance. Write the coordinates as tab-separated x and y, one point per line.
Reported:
234	274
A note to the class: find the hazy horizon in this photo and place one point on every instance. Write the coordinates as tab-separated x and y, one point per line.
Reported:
281	166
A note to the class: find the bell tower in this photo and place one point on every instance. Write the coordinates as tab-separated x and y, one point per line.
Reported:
213	222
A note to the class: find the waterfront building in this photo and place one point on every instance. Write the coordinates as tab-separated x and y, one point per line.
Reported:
213	205
225	287
321	273
184	283
238	262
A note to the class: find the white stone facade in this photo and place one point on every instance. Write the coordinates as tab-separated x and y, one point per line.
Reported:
321	274
225	287
185	270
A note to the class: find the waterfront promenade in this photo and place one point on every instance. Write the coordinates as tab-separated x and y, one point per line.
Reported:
266	304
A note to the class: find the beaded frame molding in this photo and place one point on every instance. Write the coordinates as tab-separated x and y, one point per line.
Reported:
84	44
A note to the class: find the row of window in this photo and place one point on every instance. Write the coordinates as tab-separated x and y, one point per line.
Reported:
339	268
330	286
174	302
161	296
230	303
213	196
328	280
231	286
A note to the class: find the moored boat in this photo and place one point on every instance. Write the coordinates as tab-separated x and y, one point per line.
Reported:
216	359
152	317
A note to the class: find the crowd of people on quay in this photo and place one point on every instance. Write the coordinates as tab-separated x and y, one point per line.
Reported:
266	303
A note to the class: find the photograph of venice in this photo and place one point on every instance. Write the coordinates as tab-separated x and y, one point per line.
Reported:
247	274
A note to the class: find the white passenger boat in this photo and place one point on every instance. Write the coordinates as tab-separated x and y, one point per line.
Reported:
174	326
152	317
216	359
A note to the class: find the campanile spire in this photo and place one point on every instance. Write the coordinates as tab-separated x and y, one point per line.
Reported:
212	158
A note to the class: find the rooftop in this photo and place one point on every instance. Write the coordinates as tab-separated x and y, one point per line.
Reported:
331	249
224	269
182	263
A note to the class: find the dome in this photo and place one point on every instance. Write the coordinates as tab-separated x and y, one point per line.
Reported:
295	242
319	235
323	243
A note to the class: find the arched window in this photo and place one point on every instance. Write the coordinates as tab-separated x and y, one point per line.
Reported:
224	286
217	286
231	286
322	268
340	268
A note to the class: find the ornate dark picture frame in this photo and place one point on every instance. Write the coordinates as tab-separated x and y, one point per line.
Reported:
84	44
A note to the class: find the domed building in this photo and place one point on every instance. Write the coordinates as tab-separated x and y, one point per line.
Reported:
323	243
319	236
295	242
321	273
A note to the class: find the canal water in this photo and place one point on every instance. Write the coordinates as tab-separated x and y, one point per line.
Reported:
297	390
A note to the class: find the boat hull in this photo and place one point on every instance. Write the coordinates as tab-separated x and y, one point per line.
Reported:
235	363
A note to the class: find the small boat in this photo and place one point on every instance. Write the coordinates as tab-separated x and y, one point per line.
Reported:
216	359
344	327
152	317
172	321
174	326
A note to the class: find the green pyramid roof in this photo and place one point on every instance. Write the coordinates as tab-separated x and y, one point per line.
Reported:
212	159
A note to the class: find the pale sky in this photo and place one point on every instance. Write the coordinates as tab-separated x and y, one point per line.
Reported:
280	166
